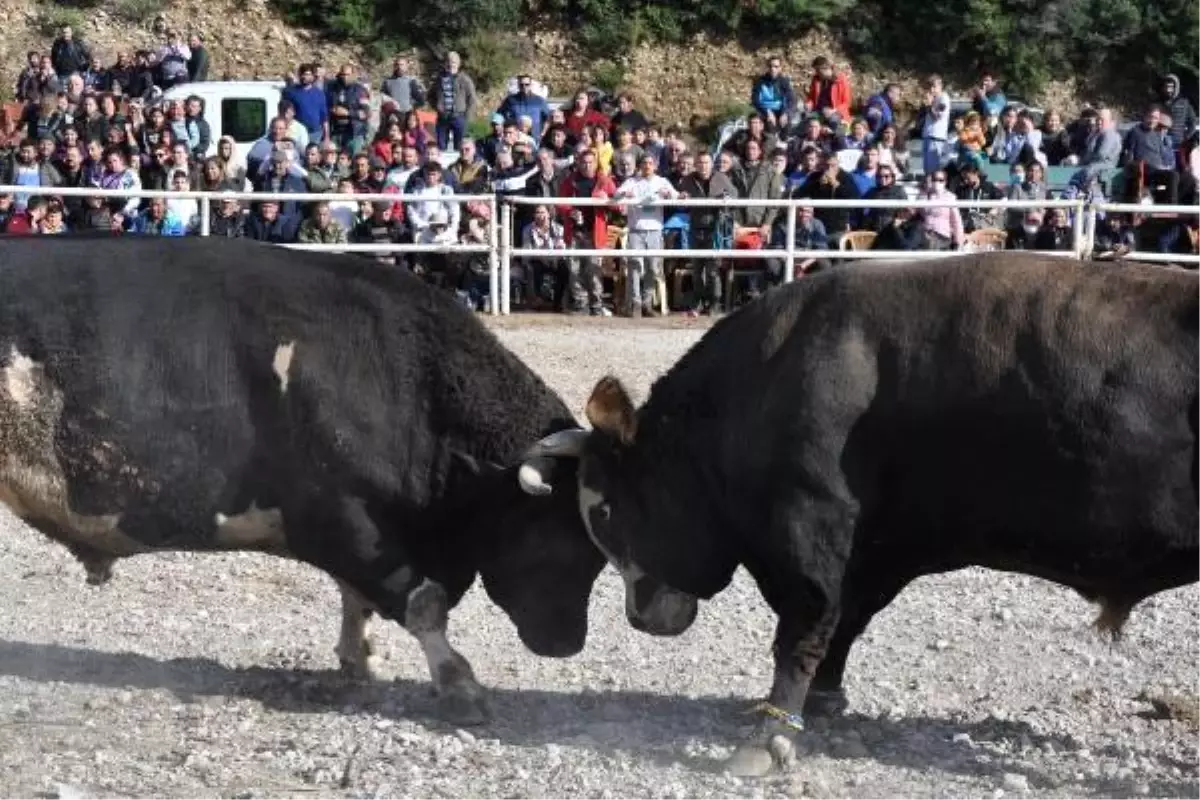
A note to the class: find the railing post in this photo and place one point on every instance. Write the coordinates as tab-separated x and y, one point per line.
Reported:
789	269
205	214
1077	229
506	221
494	242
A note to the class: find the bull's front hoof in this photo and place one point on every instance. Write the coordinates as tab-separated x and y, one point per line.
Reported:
828	703
767	749
464	706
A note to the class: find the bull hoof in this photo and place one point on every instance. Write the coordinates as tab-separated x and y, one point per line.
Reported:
364	669
464	706
827	703
768	748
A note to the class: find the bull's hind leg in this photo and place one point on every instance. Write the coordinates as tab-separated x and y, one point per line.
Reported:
355	648
804	589
337	534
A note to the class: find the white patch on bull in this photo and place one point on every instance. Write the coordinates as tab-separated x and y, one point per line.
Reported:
282	363
21	378
355	649
254	528
33	483
589	500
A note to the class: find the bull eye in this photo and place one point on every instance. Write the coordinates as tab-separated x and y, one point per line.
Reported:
604	511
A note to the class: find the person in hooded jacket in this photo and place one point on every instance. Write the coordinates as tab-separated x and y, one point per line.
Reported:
1178	108
886	188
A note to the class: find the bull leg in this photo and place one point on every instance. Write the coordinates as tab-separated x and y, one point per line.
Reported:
864	599
461	697
805	591
355	649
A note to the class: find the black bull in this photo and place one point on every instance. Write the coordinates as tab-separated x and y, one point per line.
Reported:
206	394
859	429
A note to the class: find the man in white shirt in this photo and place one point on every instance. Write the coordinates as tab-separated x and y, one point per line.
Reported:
645	233
936	130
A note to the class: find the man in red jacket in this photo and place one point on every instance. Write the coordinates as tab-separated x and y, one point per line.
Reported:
828	94
586	227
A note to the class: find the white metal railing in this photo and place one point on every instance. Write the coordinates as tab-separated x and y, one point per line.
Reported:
500	249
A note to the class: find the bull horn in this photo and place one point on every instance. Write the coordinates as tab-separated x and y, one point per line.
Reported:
563	444
534	475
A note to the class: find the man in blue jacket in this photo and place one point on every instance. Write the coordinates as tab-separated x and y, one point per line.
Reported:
772	96
525	103
1150	159
310	103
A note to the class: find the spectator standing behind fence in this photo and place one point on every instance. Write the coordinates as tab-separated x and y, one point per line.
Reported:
1149	158
586	227
545	234
942	224
172	59
828	94
404	90
642	274
454	101
935	128
707	184
321	227
349	110
1179	108
308	99
526	103
197	64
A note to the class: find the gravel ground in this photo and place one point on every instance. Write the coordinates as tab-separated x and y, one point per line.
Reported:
214	676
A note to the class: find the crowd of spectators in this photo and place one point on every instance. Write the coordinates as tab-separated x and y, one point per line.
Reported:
87	125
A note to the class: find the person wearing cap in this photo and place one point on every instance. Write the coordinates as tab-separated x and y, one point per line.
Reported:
280	180
494	142
268	223
226	219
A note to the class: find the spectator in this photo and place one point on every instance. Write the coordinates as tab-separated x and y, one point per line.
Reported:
987	99
199	134
1056	233
45	119
156	221
810	235
645	233
586	227
707	183
23	169
814	135
865	175
268	224
891	152
172	61
197	65
47	82
432	197
181	159
1056	143
828	94
1102	148
344	211
280	180
942	225
119	76
68	54
1024	143
525	102
92	215
378	228
757	180
880	109
212	177
582	116
321	227
544	182
773	97
54	221
308	99
73	175
1024	183
454	100
1023	235
973	186
1178	108
349	110
546	234
886	188
27	221
935	128
1149	159
404	90
833	184
627	116
28	79
903	231
226	219
235	174
1114	235
185	210
117	175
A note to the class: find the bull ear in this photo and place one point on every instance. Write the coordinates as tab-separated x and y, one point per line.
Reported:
609	409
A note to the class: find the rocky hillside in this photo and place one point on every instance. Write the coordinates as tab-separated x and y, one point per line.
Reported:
247	39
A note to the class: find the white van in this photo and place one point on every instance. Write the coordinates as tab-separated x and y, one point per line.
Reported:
242	110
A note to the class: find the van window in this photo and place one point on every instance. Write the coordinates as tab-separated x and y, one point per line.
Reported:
243	118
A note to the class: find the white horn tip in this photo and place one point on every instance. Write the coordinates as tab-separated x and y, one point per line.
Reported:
532	481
